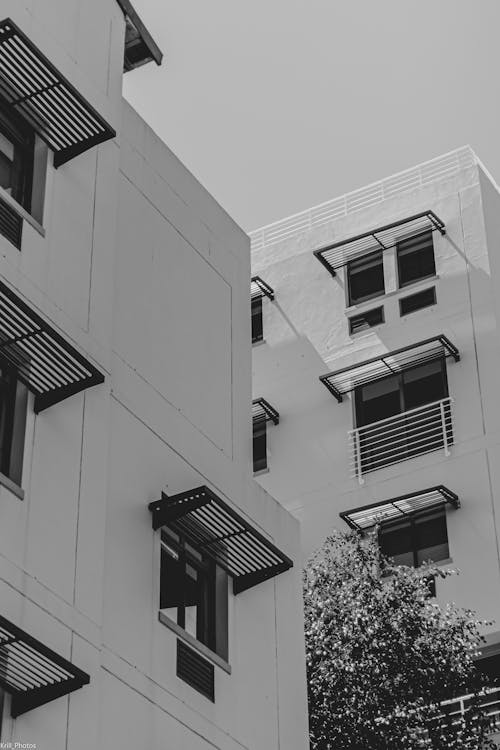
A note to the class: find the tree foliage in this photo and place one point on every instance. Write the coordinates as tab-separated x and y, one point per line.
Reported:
382	655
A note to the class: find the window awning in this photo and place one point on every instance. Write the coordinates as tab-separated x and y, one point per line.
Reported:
220	532
340	253
262	411
35	89
259	289
45	362
399	508
342	381
32	673
140	47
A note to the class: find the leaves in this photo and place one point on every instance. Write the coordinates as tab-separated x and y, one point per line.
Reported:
382	656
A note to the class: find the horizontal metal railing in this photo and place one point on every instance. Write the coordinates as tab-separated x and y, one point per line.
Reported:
443	166
403	436
490	702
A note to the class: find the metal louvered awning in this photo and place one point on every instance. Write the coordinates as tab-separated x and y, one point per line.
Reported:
45	362
215	529
259	289
340	253
399	508
262	411
34	88
140	47
32	673
342	381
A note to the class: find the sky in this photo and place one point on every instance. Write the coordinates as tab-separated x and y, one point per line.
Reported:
278	105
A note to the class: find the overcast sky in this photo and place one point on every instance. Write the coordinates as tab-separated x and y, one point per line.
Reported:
277	105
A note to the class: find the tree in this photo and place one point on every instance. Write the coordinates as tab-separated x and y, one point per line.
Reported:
382	655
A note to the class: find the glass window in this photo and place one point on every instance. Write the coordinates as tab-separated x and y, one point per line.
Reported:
411	435
193	592
418	301
365	320
13	407
257	326
421	538
17	145
415	258
399	393
259	445
365	277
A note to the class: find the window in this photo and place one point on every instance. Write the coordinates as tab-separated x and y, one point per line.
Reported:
421	538
413	434
259	445
17	145
417	301
365	277
257	325
366	320
193	592
415	257
13	406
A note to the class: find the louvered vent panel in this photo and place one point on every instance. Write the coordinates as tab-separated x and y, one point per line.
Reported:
11	224
195	670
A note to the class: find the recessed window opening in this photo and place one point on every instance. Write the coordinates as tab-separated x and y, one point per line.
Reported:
421	538
366	320
418	431
13	408
257	323
259	445
17	146
418	301
365	278
399	393
415	258
193	592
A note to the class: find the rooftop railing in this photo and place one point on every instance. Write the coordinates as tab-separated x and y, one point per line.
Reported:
400	437
436	169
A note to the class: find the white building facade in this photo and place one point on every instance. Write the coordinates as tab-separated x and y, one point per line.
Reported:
150	589
378	346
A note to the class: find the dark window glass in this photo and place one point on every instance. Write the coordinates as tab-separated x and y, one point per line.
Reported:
415	258
414	433
259	445
365	277
257	327
193	592
13	406
366	320
17	144
421	538
417	301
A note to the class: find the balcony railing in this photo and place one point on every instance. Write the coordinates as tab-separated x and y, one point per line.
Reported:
490	702
412	433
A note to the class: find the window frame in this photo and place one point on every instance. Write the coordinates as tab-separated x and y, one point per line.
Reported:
364	314
13	422
368	257
257	319
259	437
23	138
215	642
399	251
399	378
414	548
429	290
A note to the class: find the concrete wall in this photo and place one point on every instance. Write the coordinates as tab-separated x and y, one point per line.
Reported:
142	271
306	335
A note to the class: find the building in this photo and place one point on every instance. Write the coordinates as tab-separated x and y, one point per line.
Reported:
376	320
149	588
